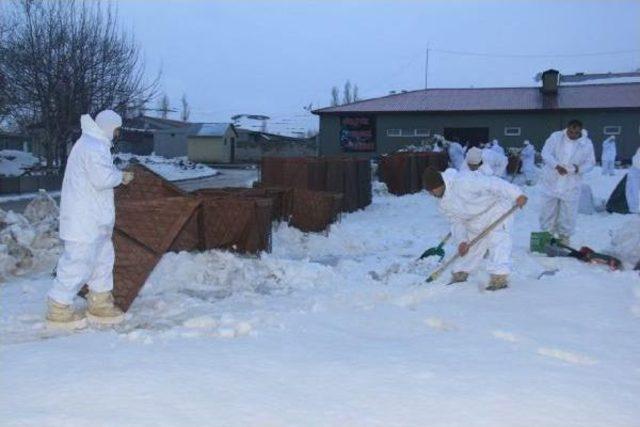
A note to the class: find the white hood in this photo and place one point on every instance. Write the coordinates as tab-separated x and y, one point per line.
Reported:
91	128
635	162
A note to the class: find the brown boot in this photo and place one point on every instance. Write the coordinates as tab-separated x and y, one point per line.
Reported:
102	310
459	276
497	281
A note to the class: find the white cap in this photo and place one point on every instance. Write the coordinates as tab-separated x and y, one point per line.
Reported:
108	121
474	156
526	142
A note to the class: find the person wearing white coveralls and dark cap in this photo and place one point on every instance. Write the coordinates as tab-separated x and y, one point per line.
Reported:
472	202
568	155
608	158
87	217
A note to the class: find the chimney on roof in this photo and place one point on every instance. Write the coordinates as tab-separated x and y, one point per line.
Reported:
550	80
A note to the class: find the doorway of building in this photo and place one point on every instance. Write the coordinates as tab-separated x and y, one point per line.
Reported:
472	136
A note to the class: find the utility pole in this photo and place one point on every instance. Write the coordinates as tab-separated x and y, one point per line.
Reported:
426	70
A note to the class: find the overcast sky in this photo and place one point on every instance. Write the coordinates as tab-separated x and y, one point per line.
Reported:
274	57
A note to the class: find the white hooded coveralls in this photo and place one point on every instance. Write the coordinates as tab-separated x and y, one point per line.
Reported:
608	158
473	201
495	146
494	163
632	190
456	155
528	157
87	211
560	194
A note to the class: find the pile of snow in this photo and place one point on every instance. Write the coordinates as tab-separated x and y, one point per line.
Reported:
341	329
14	162
29	240
174	169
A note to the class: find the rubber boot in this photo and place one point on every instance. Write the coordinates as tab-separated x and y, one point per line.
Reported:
459	276
102	310
63	316
497	281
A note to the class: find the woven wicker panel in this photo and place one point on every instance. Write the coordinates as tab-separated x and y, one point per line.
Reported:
189	237
439	161
134	263
394	170
236	223
146	185
364	183
155	223
314	211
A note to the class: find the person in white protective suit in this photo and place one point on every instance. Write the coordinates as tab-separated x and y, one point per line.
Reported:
495	146
608	158
632	190
568	155
472	202
494	163
473	162
456	154
87	217
528	158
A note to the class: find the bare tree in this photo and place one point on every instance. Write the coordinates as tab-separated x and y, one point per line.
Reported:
346	93
186	109
62	59
164	106
355	96
335	96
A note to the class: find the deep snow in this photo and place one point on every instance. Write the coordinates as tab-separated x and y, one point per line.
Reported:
307	336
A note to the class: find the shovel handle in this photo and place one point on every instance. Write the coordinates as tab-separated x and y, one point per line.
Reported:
475	240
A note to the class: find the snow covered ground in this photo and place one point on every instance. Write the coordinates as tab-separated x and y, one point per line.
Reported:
306	336
14	162
172	169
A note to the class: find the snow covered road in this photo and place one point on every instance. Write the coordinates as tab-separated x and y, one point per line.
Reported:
340	330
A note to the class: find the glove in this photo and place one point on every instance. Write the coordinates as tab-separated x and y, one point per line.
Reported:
127	177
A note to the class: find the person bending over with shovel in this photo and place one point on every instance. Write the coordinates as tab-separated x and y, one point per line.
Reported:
478	208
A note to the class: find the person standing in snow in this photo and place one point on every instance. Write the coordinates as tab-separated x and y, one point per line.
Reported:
495	146
632	190
608	158
471	202
473	162
568	155
456	155
495	163
528	158
87	217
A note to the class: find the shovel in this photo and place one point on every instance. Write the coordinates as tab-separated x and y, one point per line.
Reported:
437	250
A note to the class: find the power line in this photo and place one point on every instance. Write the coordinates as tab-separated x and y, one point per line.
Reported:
520	55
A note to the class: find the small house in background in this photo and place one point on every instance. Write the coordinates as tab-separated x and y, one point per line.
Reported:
212	143
15	141
138	133
252	145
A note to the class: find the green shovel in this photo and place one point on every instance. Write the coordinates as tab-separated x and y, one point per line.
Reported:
436	251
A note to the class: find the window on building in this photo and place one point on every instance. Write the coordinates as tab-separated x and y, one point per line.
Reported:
423	132
612	130
408	132
394	132
512	131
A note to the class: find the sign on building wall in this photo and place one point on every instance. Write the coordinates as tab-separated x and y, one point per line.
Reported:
357	133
